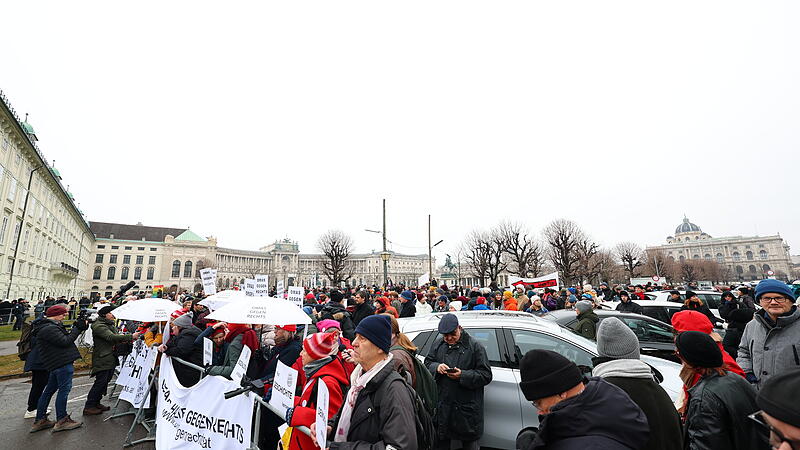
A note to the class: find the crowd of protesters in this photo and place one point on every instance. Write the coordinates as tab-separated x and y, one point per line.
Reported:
738	393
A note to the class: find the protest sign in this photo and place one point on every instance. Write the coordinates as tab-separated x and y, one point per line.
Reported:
262	286
322	412
123	379
200	416
136	390
208	351
283	386
249	287
209	279
279	289
241	365
296	295
425	278
549	280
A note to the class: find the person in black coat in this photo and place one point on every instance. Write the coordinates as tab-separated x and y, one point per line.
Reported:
363	307
619	364
737	321
728	304
627	305
461	369
335	310
407	308
39	374
693	302
181	344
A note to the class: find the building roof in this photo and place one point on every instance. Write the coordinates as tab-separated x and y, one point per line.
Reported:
687	227
136	232
190	235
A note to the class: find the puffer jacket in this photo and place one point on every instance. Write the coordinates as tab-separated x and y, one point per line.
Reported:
716	416
459	413
105	336
383	415
630	307
766	349
56	346
183	347
587	324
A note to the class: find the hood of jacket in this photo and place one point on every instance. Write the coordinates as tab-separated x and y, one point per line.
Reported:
590	315
335	369
587	415
623	368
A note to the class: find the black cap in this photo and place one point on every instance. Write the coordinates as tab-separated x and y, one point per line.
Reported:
674	292
777	397
545	373
105	310
698	349
690	294
448	324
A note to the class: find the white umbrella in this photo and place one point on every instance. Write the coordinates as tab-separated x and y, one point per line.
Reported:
147	310
222	298
261	310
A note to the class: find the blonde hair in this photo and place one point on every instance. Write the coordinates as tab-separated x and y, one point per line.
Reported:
402	339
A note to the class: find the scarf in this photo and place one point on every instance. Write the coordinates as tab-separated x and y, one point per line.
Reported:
358	381
311	368
249	337
623	368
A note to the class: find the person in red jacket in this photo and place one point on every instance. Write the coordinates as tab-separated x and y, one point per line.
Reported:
318	364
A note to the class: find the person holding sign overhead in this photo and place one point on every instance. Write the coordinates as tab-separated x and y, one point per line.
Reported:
318	365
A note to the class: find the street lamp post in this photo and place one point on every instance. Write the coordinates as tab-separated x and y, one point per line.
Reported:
21	230
430	251
384	254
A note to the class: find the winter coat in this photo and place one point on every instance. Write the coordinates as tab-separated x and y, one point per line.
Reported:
218	352
287	354
480	307
587	324
716	417
630	307
737	321
726	308
305	405
459	413
510	304
56	346
766	349
383	415
34	361
199	318
602	417
636	378
182	346
423	308
408	309
703	309
105	336
336	311
361	311
403	363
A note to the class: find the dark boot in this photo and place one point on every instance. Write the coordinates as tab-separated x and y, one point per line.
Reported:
103	407
92	411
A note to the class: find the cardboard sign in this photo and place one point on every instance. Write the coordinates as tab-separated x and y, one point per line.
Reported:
249	287
322	412
208	351
209	279
279	289
296	295
283	386
549	280
262	286
241	365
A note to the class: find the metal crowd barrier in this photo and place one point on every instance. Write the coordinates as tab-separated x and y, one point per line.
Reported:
150	426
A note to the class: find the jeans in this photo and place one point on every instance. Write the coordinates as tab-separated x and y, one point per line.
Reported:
39	380
99	387
60	380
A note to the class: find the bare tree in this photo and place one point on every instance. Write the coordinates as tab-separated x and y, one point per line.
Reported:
588	264
658	263
689	270
630	255
563	237
337	248
477	252
497	249
522	248
607	267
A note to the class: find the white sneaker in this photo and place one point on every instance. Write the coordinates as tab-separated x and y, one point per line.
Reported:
32	414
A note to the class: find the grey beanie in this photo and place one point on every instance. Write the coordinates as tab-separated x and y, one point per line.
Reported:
583	306
615	340
184	321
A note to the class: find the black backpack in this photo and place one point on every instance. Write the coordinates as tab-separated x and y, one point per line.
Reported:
24	346
426	389
423	421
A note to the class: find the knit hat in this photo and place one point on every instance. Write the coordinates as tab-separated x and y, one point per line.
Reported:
184	321
777	397
775	287
691	321
105	310
690	294
220	330
336	296
457	305
309	296
56	310
508	294
481	301
323	325
698	349
444	298
616	340
319	345
545	373
177	313
448	323
290	327
583	306
408	295
572	290
378	330
587	297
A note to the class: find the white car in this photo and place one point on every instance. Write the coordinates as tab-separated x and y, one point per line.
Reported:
507	336
712	299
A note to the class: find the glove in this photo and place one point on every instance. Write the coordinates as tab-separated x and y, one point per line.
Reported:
82	324
256	385
268	395
751	377
207	369
288	416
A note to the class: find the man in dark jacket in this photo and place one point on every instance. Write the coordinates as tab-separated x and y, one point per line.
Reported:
378	411
363	307
181	344
18	310
587	319
461	369
57	351
335	310
619	364
105	336
727	305
693	302
199	313
627	305
39	374
407	308
575	413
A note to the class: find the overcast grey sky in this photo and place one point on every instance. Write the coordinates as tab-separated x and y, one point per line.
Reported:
252	121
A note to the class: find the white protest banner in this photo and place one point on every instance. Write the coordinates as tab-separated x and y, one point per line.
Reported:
279	289
322	412
199	416
262	286
241	365
296	295
249	287
208	351
425	278
123	379
137	389
549	280
209	278
283	386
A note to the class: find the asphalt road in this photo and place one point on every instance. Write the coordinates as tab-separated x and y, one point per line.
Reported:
93	434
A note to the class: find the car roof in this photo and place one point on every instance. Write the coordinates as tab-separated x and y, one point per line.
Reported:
648	303
472	319
558	314
697	291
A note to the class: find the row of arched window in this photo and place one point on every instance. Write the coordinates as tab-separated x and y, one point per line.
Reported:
187	269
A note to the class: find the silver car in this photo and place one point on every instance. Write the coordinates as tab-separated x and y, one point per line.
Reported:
507	336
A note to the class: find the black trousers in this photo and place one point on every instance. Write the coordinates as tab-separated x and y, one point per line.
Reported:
447	444
99	387
38	383
18	322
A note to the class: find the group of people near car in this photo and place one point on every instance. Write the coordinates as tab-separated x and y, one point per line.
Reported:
380	391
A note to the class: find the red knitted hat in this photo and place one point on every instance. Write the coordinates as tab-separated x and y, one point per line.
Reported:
56	310
319	345
691	321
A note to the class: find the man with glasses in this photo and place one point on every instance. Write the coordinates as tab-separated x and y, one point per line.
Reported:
780	412
771	341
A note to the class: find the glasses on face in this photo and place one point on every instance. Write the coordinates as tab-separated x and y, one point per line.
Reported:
779	300
776	437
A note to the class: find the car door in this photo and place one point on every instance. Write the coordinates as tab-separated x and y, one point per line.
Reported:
656	312
655	338
521	341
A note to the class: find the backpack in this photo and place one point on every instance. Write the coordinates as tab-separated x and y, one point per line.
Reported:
24	346
423	420
426	386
